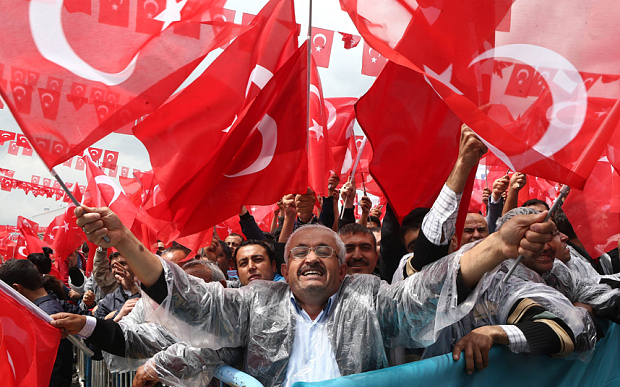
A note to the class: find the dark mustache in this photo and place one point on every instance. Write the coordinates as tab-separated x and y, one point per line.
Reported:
313	266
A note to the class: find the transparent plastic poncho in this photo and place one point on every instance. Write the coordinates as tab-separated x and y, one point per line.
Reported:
367	316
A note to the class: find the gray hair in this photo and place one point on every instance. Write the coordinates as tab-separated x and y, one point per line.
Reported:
341	250
216	272
514	212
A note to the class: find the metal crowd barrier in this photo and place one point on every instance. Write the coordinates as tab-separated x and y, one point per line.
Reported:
96	374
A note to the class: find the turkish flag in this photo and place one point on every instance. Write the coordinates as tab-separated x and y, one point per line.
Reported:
7	172
589	211
47	182
228	226
68	163
263	215
419	124
129	184
124	171
102	192
7	183
234	79
320	158
258	162
321	43
350	40
147	11
52	229
6	136
13	149
79	164
27	152
28	344
35	179
68	236
372	61
22	141
340	122
114	12
110	159
454	45
29	241
95	154
93	53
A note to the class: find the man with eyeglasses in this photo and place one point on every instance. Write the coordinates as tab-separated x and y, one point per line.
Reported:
323	323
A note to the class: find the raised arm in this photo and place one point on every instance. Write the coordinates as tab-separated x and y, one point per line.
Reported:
100	222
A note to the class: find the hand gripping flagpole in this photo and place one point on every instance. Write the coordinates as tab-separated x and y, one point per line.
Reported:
40	314
556	204
70	195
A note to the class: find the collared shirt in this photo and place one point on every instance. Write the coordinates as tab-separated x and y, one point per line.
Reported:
440	223
278	278
312	357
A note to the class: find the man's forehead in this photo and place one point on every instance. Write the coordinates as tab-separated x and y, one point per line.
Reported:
475	219
357	237
313	237
250	250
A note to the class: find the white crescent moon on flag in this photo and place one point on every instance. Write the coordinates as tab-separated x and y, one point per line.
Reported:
527	74
220	16
332	115
268	128
47	95
259	76
370	52
20	88
564	92
21	252
151	2
319	36
49	38
105	180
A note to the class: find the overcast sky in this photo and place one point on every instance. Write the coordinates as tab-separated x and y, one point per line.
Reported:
342	79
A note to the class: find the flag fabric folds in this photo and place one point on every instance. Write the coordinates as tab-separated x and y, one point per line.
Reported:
75	77
540	96
28	345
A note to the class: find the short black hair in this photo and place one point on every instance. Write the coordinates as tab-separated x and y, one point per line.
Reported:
250	242
47	251
177	247
235	234
413	221
42	262
54	285
374	219
21	271
226	249
533	202
356	228
563	224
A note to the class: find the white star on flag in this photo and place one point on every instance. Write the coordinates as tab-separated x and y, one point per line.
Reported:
172	13
317	129
445	78
65	226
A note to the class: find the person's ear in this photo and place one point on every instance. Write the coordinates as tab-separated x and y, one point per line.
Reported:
274	266
17	287
284	269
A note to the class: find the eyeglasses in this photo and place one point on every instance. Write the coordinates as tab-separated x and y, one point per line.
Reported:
320	251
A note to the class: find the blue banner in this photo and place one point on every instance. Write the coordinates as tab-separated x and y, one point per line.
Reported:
505	369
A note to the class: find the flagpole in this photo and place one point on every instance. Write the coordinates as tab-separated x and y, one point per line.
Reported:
556	204
309	69
70	195
40	314
352	175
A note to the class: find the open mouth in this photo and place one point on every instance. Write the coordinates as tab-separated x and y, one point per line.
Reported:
311	272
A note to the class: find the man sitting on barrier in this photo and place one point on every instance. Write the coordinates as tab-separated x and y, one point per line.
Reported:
323	324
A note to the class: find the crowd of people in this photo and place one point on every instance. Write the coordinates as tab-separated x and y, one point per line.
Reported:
319	297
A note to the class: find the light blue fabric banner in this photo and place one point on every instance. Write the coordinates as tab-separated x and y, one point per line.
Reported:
505	369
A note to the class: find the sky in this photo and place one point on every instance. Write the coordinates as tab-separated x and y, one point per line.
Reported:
343	78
